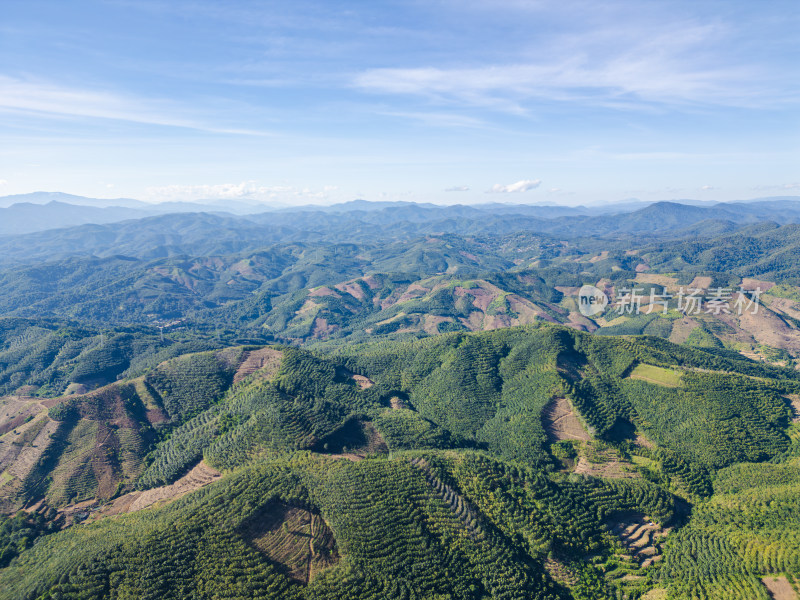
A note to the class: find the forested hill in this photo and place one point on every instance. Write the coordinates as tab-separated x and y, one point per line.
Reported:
526	462
403	402
214	232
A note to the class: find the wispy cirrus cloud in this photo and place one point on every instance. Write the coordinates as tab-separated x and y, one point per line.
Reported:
457	188
43	97
670	65
525	185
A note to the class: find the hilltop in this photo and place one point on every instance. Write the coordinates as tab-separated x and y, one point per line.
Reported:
530	447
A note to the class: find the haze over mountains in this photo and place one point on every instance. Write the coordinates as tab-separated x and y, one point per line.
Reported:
40	211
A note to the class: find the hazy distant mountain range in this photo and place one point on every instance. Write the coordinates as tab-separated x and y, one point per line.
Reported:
41	211
375	392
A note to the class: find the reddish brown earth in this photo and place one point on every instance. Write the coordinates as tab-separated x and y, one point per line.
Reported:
561	423
268	359
323	291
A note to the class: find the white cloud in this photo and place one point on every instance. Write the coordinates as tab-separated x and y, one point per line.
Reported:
35	96
3	182
679	63
521	186
707	188
457	188
246	191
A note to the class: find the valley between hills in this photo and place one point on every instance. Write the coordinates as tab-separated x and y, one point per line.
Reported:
317	415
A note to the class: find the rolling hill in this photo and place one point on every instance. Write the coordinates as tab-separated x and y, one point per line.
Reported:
401	401
533	461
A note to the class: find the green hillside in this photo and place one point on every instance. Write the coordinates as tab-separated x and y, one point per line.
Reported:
525	462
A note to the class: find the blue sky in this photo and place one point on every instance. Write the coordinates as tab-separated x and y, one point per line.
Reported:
469	101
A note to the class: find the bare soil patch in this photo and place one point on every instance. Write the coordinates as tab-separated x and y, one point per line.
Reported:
267	360
371	282
701	283
27	456
483	298
671	283
76	389
560	573
785	306
794	402
323	291
156	416
491	322
681	328
475	321
15	410
412	291
599	461
198	477
613	469
749	283
363	382
770	329
322	329
299	542
431	323
527	311
568	291
561	422
352	288
579	322
779	588
640	536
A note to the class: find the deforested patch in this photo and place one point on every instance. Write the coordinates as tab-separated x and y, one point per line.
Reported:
561	422
265	360
296	540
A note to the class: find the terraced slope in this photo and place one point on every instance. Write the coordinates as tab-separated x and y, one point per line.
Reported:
460	486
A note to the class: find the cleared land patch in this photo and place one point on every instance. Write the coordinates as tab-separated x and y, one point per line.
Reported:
561	423
656	375
198	477
613	468
779	588
355	437
640	536
298	541
267	360
794	401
